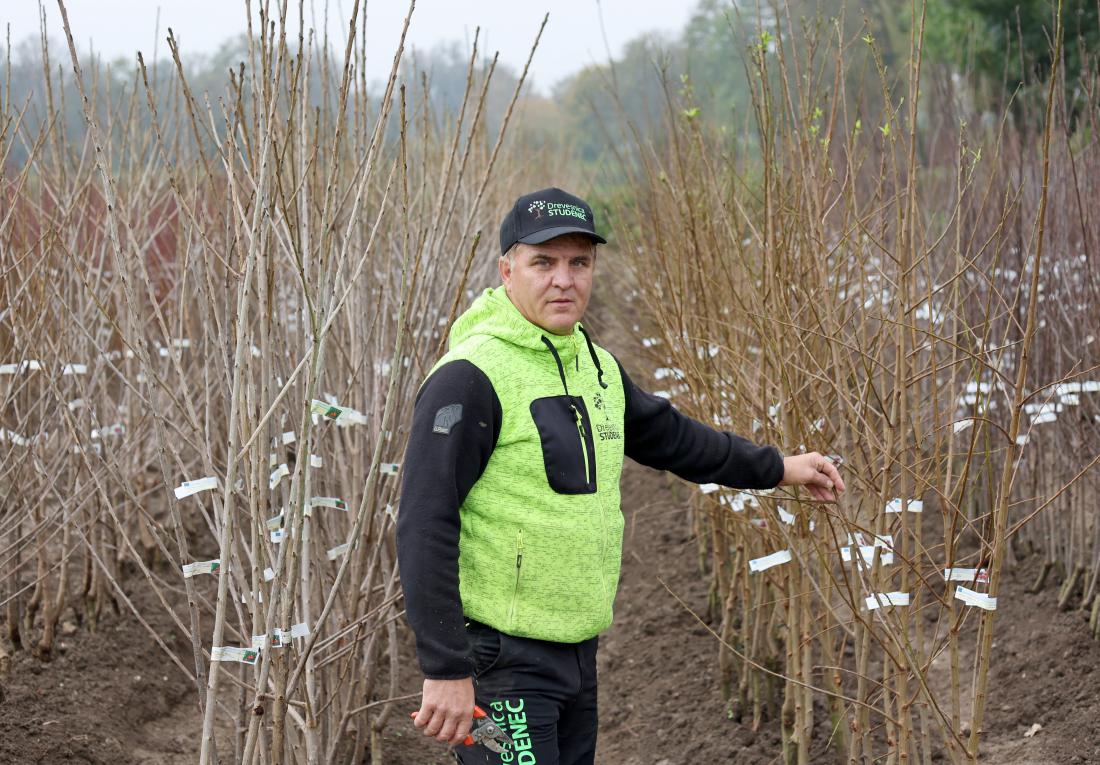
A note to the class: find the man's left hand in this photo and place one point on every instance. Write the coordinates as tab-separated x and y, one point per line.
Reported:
816	473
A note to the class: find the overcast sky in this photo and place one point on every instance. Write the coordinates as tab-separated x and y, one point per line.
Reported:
572	38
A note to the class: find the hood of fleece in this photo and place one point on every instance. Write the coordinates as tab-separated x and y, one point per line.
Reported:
492	313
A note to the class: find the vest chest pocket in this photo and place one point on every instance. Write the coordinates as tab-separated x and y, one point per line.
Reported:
568	449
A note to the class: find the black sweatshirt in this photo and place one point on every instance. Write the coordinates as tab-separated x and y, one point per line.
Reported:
438	473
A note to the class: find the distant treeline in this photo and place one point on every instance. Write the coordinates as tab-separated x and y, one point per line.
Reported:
994	53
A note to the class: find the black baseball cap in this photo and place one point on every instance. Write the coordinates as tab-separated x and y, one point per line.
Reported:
542	215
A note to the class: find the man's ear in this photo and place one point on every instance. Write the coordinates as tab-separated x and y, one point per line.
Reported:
504	266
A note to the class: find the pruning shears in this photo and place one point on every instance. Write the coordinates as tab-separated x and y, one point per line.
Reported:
485	732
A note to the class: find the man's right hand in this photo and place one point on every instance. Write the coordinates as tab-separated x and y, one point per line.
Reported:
446	709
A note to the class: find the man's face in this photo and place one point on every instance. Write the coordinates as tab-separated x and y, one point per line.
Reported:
550	283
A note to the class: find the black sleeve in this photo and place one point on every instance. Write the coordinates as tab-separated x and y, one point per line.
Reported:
659	436
456	422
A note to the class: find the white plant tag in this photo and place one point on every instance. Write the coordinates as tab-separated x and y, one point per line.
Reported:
867	553
966	575
118	429
200	567
887	599
337	551
277	476
187	488
977	599
341	415
961	425
895	505
775	559
233	653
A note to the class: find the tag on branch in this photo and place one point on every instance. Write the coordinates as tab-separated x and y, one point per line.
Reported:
277	476
897	505
337	551
980	575
961	425
187	488
277	639
775	559
200	567
977	599
867	553
341	415
233	653
389	468
118	429
887	599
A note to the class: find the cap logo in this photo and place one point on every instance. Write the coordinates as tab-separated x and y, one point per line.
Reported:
556	208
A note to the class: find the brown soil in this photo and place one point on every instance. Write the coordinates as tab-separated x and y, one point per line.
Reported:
112	697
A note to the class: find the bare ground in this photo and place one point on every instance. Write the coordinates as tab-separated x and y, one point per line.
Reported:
112	697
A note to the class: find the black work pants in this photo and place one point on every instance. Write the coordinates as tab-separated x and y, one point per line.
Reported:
542	694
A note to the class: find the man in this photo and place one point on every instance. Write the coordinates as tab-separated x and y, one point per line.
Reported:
510	531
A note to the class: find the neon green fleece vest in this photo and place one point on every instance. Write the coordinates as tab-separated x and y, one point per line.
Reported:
535	562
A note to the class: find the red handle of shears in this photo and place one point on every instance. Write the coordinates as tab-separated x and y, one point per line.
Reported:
478	714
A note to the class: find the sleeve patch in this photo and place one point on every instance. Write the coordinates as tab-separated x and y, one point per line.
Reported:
446	418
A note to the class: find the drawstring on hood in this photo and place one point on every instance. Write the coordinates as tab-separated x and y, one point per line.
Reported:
557	358
493	314
595	359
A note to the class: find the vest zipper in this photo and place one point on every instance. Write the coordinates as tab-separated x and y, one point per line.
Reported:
584	444
519	569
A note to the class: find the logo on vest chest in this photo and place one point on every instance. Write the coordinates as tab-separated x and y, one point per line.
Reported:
607	430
